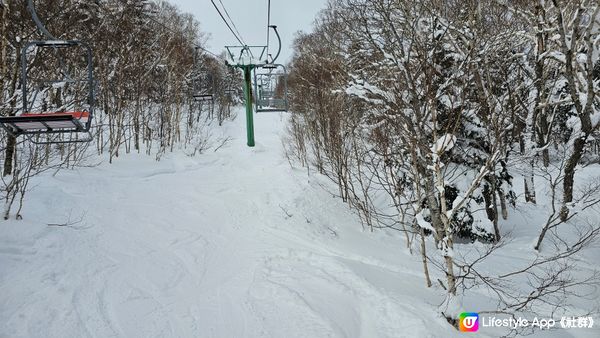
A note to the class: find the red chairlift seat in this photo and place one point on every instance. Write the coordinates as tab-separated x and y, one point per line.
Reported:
46	123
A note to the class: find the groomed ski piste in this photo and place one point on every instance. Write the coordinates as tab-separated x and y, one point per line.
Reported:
229	243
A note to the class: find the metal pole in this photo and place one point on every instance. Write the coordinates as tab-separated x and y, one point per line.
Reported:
24	75
268	27
249	112
38	22
279	41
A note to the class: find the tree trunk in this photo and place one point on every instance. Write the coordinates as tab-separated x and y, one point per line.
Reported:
491	203
578	147
530	185
9	153
441	224
528	178
503	208
11	141
424	258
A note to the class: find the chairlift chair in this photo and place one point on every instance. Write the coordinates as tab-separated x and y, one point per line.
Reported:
231	94
75	121
270	88
203	87
204	98
231	87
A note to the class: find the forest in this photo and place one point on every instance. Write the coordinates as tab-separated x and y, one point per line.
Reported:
144	83
455	125
428	115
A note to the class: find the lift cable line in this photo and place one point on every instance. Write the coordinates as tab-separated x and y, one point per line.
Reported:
175	32
227	23
232	23
202	83
38	22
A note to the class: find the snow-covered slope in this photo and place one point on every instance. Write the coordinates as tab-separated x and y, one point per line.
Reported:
232	243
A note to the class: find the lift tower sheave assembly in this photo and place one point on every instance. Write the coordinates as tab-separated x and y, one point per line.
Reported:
272	100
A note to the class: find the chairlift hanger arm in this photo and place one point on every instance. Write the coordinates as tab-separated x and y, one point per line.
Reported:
279	42
38	22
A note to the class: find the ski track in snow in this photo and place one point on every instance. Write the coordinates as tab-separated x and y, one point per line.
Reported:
202	247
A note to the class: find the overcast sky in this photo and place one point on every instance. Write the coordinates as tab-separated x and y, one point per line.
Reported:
250	17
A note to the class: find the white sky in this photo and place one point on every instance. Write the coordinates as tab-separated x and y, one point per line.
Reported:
250	17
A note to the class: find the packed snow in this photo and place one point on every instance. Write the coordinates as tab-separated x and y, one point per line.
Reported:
230	243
